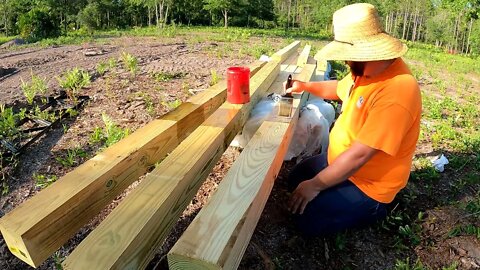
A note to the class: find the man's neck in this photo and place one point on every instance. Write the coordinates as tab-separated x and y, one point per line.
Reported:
375	68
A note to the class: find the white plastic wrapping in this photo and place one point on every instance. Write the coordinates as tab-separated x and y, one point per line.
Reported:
261	111
311	134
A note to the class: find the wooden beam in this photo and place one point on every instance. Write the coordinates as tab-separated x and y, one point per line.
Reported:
128	237
286	52
42	224
219	234
303	58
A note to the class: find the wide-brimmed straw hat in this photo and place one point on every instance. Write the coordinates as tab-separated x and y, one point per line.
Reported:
359	36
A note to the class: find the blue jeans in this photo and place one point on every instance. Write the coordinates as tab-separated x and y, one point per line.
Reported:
335	209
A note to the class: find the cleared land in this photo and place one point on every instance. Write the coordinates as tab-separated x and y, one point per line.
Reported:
434	222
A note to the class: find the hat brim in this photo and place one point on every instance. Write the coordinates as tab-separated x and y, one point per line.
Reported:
379	47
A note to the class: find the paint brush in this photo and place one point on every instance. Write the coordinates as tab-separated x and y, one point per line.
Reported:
286	102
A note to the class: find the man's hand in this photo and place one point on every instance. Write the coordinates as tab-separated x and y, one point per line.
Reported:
297	87
302	195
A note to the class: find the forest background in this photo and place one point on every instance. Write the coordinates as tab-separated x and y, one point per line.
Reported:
453	25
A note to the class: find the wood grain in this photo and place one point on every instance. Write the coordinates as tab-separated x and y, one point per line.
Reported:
219	234
128	237
303	57
42	224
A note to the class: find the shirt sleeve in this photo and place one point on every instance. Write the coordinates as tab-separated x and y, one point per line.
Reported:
385	127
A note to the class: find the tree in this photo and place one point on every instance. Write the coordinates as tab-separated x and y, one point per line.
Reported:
37	24
224	6
90	17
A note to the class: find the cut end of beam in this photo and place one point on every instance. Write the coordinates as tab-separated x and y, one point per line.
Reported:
17	247
181	262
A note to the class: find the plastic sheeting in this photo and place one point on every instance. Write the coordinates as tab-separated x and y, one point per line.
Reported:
311	133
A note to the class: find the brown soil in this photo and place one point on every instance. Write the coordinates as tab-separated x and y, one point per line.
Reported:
133	102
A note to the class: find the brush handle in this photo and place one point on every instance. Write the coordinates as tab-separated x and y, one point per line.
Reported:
288	85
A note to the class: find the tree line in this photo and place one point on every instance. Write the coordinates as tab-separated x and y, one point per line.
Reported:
451	24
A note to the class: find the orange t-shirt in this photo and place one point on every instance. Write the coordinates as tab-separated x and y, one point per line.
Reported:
382	112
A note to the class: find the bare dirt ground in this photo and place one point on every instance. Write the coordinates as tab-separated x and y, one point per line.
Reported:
133	102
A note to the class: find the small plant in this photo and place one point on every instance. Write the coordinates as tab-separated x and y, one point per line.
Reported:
465	230
215	78
172	104
71	158
110	134
102	68
473	207
43	181
406	265
165	76
5	188
36	86
340	241
130	63
8	121
45	115
112	63
74	80
186	88
58	260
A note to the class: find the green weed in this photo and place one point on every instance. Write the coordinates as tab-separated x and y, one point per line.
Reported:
407	265
172	104
102	68
70	160
465	230
45	115
339	69
340	241
74	80
8	120
166	76
112	63
149	105
424	171
35	86
110	134
215	78
130	63
43	181
473	207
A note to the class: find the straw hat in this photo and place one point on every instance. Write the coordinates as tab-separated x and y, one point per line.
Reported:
359	36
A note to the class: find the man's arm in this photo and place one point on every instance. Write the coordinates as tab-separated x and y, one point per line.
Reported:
324	89
343	167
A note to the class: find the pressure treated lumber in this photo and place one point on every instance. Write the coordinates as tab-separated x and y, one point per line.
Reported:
303	57
219	234
286	52
128	237
42	224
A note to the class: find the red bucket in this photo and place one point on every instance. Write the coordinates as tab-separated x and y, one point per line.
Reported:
238	85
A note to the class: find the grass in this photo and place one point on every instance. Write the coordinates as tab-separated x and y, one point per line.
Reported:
130	63
4	39
72	81
43	181
172	104
33	87
71	157
166	76
110	134
214	77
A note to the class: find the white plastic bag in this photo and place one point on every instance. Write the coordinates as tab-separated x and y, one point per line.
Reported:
311	133
261	111
440	163
325	108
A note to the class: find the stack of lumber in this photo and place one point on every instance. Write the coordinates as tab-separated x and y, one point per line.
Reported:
189	140
219	234
42	224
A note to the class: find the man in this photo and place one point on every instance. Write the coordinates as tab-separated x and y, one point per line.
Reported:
374	139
